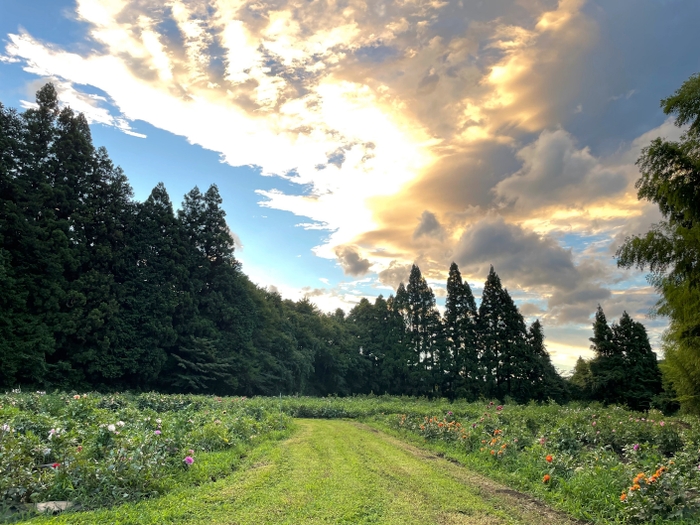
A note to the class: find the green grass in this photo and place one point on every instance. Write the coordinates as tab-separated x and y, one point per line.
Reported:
332	471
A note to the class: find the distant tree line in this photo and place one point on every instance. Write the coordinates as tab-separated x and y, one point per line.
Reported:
624	370
99	291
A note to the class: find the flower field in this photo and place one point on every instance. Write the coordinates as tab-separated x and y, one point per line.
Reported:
600	464
604	465
98	450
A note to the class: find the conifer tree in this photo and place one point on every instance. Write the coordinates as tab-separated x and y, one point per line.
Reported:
643	373
544	380
517	359
491	330
608	367
24	337
460	323
424	330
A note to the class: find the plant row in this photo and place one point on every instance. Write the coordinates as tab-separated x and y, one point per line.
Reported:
101	449
608	465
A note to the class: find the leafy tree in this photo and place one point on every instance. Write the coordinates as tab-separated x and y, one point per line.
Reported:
671	249
282	368
582	380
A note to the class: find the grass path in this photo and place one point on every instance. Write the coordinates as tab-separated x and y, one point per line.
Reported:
341	472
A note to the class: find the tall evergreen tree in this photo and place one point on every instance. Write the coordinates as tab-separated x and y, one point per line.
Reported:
517	359
544	382
643	373
24	337
491	333
424	332
460	323
608	367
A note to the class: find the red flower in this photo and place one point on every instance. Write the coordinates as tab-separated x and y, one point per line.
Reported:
55	465
549	458
546	478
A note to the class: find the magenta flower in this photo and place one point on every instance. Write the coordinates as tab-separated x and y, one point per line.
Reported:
635	447
157	432
189	460
499	407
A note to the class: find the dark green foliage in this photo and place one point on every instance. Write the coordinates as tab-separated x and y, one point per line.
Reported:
492	336
100	291
423	330
671	249
581	381
624	370
461	338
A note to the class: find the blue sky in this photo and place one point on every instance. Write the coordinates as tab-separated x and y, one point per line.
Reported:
352	139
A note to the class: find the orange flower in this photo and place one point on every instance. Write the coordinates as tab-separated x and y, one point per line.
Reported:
623	496
635	487
549	458
546	478
493	452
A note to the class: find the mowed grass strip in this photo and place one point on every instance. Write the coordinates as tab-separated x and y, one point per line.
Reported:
334	471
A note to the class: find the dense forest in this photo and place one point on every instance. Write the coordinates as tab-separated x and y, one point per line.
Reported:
99	291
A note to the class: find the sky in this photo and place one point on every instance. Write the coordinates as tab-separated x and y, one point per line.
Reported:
350	140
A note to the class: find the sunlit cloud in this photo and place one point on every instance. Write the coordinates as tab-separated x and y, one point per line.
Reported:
416	131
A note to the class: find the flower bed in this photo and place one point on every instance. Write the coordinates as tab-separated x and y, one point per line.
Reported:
102	449
604	464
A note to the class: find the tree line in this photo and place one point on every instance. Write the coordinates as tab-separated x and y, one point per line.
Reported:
99	291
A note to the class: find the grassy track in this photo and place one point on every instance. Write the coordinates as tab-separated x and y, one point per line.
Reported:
334	471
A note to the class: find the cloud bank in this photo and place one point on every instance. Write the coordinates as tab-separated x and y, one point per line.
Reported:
419	131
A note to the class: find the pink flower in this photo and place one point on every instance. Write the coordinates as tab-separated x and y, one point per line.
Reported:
189	460
661	423
157	432
635	447
593	423
191	452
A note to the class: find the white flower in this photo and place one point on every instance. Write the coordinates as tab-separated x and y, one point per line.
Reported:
158	420
120	423
111	428
46	451
6	428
